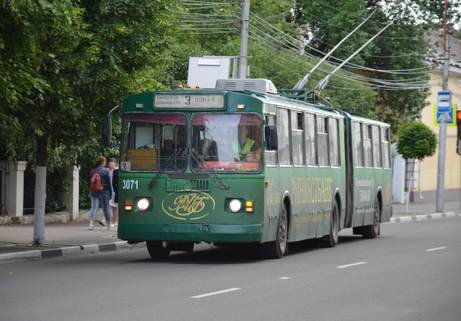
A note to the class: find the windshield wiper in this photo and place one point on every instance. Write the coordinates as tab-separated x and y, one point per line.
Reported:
221	184
164	168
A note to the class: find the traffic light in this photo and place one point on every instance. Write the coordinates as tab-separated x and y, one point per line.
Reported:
458	127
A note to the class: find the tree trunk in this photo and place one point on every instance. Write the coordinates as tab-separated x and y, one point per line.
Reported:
40	191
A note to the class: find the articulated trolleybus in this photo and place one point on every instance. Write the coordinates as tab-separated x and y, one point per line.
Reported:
242	164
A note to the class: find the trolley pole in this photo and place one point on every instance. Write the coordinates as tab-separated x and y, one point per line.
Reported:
443	126
244	39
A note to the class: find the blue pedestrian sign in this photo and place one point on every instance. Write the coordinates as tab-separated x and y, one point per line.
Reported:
444	108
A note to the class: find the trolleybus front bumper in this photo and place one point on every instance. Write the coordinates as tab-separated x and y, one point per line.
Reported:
190	232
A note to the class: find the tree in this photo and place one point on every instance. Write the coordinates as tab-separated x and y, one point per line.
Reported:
415	141
66	63
400	47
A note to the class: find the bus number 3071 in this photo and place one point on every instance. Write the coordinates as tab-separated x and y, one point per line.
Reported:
130	184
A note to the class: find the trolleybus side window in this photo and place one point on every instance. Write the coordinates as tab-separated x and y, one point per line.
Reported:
283	137
385	146
270	155
367	149
322	141
333	141
297	131
311	150
358	144
377	162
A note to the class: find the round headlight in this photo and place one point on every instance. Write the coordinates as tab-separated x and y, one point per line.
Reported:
143	204
235	205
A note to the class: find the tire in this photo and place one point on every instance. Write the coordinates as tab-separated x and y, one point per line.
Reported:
332	238
279	247
157	251
372	231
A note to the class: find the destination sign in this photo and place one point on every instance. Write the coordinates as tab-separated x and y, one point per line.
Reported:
188	101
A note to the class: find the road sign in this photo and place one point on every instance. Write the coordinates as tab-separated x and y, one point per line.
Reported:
450	113
444	108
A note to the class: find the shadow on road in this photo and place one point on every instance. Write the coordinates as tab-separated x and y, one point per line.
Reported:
239	254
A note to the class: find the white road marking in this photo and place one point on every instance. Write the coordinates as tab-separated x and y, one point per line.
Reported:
214	293
436	248
350	265
285	278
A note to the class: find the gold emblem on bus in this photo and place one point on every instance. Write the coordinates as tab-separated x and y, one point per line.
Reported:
190	206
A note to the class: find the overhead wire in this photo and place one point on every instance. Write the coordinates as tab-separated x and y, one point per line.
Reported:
221	23
297	43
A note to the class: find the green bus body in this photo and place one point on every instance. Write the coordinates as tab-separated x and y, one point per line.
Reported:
187	206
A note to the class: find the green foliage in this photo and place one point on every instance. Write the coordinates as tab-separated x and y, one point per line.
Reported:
416	140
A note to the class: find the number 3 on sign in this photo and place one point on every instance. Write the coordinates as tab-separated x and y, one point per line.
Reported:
130	184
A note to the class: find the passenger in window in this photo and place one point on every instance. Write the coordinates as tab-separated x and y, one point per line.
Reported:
246	144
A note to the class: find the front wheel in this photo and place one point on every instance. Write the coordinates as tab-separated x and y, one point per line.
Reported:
279	247
156	250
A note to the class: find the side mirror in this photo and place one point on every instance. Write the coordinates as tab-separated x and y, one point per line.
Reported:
270	133
106	130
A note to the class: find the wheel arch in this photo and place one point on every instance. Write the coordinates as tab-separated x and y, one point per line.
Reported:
338	200
286	201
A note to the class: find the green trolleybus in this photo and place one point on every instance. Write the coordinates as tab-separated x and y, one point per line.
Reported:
242	164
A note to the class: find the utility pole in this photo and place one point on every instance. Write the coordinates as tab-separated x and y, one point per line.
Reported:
244	39
443	126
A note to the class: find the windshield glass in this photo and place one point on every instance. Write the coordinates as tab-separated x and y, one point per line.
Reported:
226	143
154	142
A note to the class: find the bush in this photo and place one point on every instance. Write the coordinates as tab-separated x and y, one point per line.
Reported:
416	141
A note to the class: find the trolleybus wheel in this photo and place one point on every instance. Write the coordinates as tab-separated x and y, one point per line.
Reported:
279	247
156	250
373	230
332	238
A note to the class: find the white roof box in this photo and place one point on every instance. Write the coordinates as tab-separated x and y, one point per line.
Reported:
263	86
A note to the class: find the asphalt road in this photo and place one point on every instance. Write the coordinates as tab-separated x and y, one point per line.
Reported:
412	272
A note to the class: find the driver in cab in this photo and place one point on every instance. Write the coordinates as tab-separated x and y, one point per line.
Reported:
246	144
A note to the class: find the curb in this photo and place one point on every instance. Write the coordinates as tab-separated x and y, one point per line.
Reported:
123	245
68	251
423	217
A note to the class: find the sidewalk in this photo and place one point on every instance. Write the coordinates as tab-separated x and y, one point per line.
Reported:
426	204
60	240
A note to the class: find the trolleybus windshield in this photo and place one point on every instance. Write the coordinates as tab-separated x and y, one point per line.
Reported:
154	142
226	142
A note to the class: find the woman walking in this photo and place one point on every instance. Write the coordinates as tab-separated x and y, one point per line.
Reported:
100	191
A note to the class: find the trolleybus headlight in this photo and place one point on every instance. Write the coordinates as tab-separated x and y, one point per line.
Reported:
143	204
235	205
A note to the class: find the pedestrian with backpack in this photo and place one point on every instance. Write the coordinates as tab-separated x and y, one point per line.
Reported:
100	191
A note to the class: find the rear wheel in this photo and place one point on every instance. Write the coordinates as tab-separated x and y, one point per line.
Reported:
156	250
373	230
279	247
332	238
